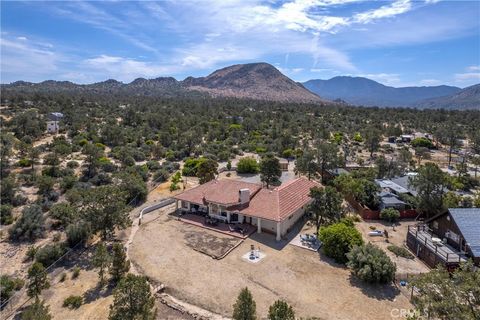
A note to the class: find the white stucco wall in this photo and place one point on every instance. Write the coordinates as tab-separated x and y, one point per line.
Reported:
289	222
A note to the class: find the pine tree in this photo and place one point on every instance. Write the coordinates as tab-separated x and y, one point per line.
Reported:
102	260
37	276
270	171
132	300
120	264
280	310
37	311
245	307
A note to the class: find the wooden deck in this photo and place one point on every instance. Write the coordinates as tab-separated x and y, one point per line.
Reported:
419	240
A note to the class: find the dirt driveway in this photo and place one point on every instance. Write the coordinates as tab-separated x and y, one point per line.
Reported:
313	284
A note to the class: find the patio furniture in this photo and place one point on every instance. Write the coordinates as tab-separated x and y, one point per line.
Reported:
304	238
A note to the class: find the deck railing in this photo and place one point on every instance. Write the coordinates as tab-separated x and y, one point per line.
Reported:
419	232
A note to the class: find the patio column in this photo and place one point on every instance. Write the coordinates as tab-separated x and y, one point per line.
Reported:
176	205
279	235
259	225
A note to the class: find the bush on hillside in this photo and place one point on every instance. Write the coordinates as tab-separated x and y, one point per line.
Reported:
50	253
371	264
30	225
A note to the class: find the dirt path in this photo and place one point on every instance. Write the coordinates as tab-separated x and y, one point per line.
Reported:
167	299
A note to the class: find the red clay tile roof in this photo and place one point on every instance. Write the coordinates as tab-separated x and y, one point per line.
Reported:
223	191
278	204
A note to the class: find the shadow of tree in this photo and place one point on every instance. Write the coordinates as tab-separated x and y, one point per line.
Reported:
330	261
376	291
98	292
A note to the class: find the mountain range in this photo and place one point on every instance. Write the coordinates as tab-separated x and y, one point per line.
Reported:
366	92
262	81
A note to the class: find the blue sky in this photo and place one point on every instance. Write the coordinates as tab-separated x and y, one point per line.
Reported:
398	42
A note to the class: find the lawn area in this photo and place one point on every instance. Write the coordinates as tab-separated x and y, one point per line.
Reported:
310	282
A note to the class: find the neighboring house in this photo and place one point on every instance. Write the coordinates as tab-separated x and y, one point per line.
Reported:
398	185
392	190
390	200
53	122
447	238
232	201
461	229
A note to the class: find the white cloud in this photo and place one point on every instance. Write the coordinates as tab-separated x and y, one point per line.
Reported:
28	60
125	69
22	38
390	79
461	77
430	82
386	11
473	68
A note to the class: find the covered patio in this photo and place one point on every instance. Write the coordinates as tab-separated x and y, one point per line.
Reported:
239	230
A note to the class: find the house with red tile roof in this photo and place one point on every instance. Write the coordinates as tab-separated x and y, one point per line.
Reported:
232	201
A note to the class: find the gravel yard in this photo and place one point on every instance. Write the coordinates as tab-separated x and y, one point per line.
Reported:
312	283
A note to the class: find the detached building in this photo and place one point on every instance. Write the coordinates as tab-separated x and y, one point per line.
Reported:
231	201
53	122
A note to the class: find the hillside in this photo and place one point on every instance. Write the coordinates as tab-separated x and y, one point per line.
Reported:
363	91
260	81
468	98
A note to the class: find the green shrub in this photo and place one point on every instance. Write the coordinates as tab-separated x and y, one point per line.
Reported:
422	143
50	253
390	214
30	225
72	164
68	182
73	302
338	239
6	214
63	277
348	221
76	272
191	165
64	213
174	186
247	165
153	165
161	175
371	264
77	232
400	252
7	287
31	252
24	163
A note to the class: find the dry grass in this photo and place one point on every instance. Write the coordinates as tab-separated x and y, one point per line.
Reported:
312	283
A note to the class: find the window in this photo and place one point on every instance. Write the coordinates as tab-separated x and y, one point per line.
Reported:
453	236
